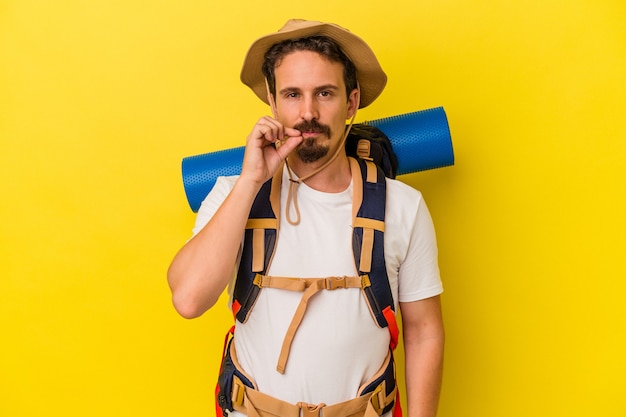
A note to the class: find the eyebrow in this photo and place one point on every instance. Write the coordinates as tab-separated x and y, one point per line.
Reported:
317	89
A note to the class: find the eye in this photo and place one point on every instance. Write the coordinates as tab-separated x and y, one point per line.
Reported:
326	94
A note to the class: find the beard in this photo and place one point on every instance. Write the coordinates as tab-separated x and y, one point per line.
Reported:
309	150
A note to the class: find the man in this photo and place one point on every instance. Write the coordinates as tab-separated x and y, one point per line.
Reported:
314	76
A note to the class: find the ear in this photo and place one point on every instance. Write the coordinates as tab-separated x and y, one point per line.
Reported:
353	102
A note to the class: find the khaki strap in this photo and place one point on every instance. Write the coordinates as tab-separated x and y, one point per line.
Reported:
301	284
379	398
367	245
256	404
310	287
372	172
261	224
258	250
369	224
357	186
258	227
310	410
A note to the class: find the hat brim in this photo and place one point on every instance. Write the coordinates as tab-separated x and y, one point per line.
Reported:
371	77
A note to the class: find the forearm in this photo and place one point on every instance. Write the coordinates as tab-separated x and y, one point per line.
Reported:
424	369
424	340
202	269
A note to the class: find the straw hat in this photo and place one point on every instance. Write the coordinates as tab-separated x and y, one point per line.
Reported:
370	75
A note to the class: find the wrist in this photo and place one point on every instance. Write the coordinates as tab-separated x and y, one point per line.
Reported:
247	185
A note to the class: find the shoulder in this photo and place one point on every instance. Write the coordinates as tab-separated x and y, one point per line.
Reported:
224	183
215	198
406	207
223	186
399	193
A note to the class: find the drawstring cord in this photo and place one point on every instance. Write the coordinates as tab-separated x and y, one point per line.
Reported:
292	195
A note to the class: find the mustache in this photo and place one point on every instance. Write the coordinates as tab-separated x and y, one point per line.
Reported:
312	126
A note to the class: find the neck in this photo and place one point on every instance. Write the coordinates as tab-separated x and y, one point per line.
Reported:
333	178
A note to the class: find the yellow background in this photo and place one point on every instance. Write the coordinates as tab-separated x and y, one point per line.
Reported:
100	100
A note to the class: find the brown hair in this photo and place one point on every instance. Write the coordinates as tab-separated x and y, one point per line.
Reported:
323	45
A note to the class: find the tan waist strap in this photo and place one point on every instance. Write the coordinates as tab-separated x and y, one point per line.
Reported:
309	287
256	404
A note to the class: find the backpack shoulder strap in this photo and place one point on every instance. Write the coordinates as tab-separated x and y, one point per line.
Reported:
368	213
258	247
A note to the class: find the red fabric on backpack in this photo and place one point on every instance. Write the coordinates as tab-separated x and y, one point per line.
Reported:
392	324
397	408
218	409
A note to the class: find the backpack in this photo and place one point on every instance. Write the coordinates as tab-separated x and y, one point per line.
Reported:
370	143
372	156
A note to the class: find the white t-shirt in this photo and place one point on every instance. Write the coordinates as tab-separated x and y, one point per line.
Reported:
338	346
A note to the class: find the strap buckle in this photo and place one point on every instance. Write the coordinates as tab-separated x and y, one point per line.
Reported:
238	391
363	149
333	283
258	280
378	398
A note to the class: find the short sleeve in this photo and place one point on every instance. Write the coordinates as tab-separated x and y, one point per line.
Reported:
213	201
419	276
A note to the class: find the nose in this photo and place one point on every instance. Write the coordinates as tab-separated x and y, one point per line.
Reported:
309	110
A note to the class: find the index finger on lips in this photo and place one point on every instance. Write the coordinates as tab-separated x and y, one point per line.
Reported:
292	132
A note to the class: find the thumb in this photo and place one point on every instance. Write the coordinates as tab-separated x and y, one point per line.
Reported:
288	145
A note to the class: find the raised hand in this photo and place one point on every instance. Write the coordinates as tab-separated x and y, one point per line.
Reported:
267	146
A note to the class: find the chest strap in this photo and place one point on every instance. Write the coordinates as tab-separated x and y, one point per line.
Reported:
309	287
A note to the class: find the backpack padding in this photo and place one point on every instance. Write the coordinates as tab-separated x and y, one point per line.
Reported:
379	294
245	292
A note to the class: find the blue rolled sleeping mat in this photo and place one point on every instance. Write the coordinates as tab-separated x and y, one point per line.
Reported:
421	140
